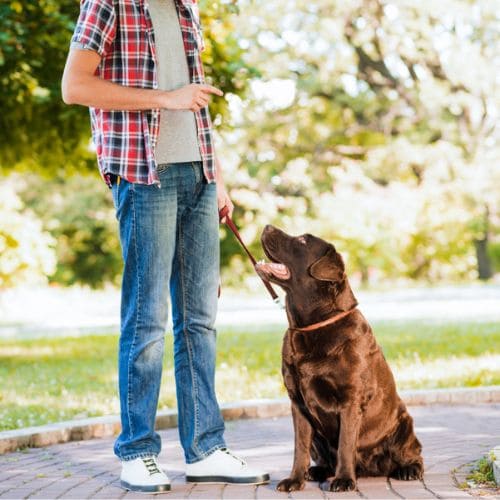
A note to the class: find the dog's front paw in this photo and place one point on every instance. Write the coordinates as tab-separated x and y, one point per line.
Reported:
342	484
408	472
291	484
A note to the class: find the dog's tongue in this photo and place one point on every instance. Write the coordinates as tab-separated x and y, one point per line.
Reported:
278	270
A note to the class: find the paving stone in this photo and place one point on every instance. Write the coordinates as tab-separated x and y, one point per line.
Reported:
451	437
237	491
210	491
267	491
110	492
450	491
134	495
49	493
16	494
410	489
307	493
374	488
333	495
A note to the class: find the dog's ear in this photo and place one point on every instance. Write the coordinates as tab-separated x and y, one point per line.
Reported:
330	267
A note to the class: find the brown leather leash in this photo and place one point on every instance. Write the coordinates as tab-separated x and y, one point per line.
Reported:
223	212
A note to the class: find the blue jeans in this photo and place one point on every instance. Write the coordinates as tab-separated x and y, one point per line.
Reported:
170	244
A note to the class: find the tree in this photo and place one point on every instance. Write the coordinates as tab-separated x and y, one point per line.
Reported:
42	135
81	218
26	249
368	80
38	130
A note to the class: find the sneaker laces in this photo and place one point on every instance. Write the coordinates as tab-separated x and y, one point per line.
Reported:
228	452
151	466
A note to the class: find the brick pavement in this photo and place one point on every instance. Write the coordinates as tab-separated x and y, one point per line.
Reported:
451	436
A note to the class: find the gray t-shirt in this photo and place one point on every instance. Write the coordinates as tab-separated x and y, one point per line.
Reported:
178	135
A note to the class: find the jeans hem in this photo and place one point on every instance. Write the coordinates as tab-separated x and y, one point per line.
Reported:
142	454
205	454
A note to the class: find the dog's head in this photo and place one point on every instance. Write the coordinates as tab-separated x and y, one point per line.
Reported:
309	269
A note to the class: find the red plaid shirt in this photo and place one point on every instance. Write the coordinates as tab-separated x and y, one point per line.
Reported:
121	32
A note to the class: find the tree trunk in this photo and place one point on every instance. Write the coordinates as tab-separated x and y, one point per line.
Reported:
365	275
484	267
483	259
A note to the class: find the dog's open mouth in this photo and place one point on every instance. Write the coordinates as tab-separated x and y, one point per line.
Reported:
276	269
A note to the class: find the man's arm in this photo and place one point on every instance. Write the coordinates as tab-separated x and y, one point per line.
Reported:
80	85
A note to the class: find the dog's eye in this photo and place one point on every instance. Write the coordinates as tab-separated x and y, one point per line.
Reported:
302	240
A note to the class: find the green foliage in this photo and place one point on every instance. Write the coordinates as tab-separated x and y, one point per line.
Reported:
482	473
223	58
381	140
357	121
494	252
38	130
26	249
79	213
42	134
53	379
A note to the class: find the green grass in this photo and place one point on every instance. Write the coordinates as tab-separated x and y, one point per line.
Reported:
48	380
482	473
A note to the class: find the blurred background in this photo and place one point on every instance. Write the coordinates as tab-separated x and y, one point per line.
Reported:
371	123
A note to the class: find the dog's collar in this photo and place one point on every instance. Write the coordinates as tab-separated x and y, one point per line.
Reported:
329	321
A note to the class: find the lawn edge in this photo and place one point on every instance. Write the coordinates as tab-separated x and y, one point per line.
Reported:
106	426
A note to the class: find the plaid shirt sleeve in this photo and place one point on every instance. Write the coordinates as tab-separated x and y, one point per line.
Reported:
96	26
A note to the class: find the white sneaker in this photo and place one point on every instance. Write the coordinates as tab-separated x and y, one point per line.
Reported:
144	475
222	466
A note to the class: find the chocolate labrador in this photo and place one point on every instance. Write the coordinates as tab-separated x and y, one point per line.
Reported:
347	415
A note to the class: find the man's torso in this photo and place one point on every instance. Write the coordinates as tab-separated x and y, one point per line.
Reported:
122	33
177	136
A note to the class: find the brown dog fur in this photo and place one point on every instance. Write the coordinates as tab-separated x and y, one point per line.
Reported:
346	412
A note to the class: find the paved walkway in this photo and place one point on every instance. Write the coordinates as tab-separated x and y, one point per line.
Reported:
451	436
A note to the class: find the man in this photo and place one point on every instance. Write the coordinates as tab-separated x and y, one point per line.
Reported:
136	64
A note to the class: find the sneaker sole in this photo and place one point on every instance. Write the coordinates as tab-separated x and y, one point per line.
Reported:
160	488
229	479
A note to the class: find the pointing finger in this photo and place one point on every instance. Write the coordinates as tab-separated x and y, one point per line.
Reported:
209	89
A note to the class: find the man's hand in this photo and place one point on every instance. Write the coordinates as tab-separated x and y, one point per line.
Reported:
223	200
192	97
